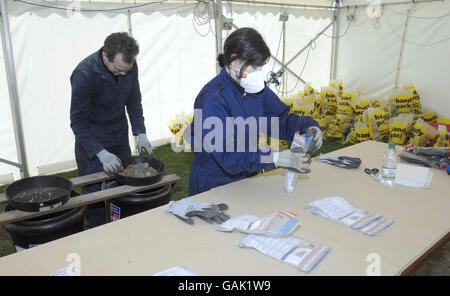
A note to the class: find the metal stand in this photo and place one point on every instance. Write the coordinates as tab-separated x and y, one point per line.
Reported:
13	94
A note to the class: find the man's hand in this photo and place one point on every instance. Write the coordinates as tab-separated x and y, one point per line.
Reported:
143	142
111	163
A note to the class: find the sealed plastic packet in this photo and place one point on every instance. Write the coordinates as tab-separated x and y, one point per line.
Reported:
339	210
338	128
302	108
308	89
400	128
417	107
430	115
279	224
329	97
317	101
360	105
338	85
379	130
358	134
423	134
400	101
300	253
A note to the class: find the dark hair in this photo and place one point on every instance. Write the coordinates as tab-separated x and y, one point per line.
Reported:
121	43
247	45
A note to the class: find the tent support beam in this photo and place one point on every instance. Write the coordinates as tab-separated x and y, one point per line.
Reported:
334	44
217	8
13	93
402	46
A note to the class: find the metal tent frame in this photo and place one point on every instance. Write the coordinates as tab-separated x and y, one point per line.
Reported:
336	6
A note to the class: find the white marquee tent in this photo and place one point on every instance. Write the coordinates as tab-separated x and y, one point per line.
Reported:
371	45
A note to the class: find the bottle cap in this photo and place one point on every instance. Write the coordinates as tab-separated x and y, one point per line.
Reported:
391	146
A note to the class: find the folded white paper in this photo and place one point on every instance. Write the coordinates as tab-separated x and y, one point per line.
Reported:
414	176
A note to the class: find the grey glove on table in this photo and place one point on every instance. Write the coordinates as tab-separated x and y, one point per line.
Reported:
110	162
187	208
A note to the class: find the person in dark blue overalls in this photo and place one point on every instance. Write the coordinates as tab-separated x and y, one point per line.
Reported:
103	84
239	94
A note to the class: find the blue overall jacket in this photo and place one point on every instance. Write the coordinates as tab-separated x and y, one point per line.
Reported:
221	99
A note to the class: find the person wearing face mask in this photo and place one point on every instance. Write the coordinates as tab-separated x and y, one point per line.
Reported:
103	85
239	94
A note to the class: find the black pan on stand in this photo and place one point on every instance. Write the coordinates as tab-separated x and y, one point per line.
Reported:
135	181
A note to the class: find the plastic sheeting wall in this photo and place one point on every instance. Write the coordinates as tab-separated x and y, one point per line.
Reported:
368	54
174	63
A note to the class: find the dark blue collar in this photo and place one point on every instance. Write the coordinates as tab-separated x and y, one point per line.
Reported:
98	65
226	78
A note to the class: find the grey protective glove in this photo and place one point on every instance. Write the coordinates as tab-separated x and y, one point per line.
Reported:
187	208
346	162
316	135
296	162
143	142
111	163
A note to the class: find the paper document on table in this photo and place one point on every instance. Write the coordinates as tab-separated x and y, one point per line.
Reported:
414	176
277	224
332	207
176	271
302	254
358	219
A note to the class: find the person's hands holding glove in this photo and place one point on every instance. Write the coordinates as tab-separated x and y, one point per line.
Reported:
111	163
297	162
143	142
316	136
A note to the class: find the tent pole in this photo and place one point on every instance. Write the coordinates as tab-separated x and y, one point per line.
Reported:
217	7
335	43
401	49
13	93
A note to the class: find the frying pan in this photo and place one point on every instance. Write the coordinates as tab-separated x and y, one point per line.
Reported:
40	193
135	181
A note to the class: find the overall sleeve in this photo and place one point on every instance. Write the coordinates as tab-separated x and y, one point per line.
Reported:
134	106
288	123
80	110
232	162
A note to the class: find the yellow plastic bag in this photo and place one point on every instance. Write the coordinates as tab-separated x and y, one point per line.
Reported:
430	115
362	104
308	90
329	98
423	133
359	133
401	101
338	85
338	128
400	128
379	130
443	136
302	108
317	101
417	107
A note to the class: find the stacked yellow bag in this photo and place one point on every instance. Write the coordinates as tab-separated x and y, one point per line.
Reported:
423	133
400	101
374	118
317	101
429	115
338	127
329	98
303	108
359	133
362	104
338	85
400	128
417	107
177	127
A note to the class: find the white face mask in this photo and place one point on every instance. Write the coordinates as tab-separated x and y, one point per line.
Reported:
252	82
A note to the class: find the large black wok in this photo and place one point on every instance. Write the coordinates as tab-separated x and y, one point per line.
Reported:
135	181
40	193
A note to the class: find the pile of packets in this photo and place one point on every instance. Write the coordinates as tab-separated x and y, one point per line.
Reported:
349	116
